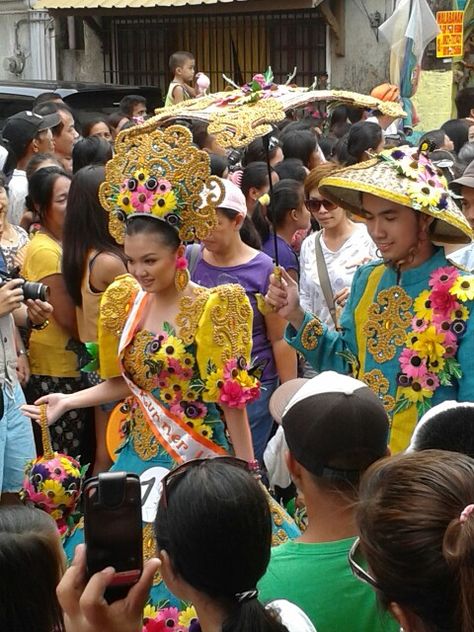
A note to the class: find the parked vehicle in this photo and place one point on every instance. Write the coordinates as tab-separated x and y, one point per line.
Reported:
85	99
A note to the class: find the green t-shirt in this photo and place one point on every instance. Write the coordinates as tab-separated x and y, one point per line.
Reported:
318	579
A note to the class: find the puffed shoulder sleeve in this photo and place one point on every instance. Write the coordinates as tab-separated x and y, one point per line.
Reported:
223	346
114	308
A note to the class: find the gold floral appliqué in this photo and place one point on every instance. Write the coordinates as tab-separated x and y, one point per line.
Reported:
376	381
230	319
311	334
149	549
116	303
144	442
190	312
387	322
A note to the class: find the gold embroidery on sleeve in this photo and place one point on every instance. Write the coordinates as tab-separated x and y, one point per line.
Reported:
311	334
116	303
230	319
190	312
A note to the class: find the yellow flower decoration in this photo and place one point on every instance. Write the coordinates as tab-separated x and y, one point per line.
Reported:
204	430
463	288
417	394
124	201
430	344
55	491
422	306
141	175
149	612
424	194
461	313
407	165
57	514
176	386
69	467
246	380
174	348
187	616
164	204
214	382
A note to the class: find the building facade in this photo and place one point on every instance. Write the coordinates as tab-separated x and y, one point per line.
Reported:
129	41
27	42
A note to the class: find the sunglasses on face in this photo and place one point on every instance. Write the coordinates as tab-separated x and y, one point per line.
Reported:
314	204
357	569
171	479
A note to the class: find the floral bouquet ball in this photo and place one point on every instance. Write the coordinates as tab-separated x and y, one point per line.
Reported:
54	484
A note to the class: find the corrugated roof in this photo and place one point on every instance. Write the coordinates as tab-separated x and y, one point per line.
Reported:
121	4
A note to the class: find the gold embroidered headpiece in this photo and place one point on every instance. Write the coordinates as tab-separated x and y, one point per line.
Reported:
404	176
161	174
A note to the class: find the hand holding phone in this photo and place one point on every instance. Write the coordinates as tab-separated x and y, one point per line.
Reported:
113	530
83	603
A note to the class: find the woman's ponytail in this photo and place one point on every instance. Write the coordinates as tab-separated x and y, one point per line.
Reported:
458	551
251	616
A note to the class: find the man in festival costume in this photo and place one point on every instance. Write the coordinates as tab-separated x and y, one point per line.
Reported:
405	330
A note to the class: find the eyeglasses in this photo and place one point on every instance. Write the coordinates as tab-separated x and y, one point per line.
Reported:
180	471
314	204
356	569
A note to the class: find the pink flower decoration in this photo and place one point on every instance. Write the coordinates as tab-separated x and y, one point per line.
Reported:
443	303
412	365
163	186
450	344
233	395
142	199
260	79
443	278
229	367
181	263
419	324
429	381
168	615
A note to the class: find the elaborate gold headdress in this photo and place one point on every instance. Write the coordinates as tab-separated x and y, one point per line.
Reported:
161	174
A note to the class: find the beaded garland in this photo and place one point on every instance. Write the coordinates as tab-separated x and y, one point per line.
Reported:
429	357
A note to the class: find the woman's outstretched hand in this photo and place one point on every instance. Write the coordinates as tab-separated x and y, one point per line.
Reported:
56	407
282	295
84	605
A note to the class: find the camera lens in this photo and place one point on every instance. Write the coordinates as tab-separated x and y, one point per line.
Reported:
35	291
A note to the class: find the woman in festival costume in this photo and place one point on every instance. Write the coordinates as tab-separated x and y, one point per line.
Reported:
406	330
182	349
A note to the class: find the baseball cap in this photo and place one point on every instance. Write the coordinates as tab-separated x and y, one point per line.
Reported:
234	199
335	426
466	180
21	128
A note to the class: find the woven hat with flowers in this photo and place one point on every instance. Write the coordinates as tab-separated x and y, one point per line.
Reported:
53	482
405	176
160	174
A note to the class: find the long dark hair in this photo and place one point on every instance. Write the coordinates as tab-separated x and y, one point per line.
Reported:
216	529
30	570
363	136
287	195
40	188
417	543
85	228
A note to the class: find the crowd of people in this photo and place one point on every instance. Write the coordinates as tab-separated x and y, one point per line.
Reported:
307	429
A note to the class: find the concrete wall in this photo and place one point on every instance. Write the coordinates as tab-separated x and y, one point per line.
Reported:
30	33
83	65
366	60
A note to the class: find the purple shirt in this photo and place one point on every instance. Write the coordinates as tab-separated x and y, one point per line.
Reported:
254	277
287	257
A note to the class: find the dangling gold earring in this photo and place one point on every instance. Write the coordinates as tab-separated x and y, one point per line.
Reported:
181	277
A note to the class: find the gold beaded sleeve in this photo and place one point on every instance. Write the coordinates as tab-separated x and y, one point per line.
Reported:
223	346
114	308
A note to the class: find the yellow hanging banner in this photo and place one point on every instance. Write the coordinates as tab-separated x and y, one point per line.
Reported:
449	42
